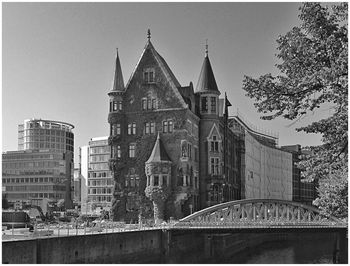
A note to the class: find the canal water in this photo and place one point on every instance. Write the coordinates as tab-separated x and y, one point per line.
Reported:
282	252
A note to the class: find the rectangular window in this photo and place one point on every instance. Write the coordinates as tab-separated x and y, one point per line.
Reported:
132	181
144	104
213	104
154	104
165	180
170	126
134	128
189	150
115	107
195	154
149	104
120	105
204	104
156	180
147	130
165	126
149	75
215	166
119	152
129	129
152	128
132	150
118	129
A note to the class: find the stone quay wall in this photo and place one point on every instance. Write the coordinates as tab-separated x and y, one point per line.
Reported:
123	247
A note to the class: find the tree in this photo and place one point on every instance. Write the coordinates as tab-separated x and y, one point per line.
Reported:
333	196
314	73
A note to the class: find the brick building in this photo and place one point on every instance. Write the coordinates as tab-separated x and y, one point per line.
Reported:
171	149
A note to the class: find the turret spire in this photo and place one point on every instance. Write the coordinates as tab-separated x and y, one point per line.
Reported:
159	153
206	48
149	34
206	81
118	84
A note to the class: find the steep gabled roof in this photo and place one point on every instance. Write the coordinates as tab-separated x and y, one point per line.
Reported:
159	153
118	83
174	84
206	81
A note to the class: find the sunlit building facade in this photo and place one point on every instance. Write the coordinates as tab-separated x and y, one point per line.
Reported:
95	177
42	168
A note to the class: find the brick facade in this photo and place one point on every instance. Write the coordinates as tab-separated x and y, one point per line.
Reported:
154	102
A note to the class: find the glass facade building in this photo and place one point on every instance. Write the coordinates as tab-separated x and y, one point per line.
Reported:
45	134
42	168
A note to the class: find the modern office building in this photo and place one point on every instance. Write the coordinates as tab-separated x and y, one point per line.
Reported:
35	134
96	181
42	168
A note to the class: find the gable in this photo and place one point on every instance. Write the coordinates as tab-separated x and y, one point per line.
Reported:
163	86
214	131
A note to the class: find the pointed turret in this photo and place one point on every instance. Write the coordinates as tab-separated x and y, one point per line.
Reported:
118	84
159	153
206	81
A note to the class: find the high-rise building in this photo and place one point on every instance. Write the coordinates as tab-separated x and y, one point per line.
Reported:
95	177
42	168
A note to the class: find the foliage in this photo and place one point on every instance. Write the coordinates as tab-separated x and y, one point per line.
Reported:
157	193
333	196
314	73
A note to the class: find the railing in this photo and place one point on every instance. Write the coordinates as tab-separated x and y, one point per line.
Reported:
64	230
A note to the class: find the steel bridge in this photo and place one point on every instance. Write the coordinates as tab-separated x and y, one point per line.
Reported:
259	214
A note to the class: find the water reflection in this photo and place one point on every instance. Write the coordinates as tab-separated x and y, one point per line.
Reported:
281	252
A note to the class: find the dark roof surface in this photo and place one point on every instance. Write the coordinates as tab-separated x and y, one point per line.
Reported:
118	84
159	153
206	81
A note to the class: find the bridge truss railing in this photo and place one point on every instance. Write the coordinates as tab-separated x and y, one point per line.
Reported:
259	213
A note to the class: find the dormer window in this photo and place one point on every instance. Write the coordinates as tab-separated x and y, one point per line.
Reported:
148	75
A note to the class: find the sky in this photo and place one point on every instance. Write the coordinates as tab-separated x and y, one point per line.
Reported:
58	58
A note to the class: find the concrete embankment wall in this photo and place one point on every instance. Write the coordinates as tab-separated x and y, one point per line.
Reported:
124	247
155	246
